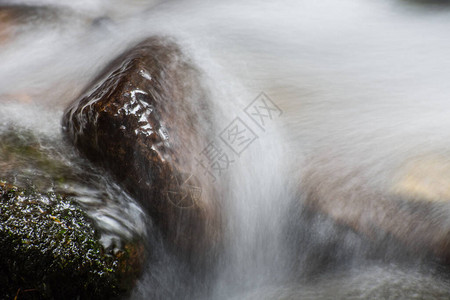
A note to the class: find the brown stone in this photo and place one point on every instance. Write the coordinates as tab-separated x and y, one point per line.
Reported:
5	25
414	212
14	17
144	119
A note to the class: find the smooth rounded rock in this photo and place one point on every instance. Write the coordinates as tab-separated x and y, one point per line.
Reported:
412	209
144	119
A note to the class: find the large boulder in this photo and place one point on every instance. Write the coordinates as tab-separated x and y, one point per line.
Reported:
50	249
144	119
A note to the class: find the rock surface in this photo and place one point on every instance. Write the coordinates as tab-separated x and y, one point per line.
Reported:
14	19
49	249
414	212
144	119
24	158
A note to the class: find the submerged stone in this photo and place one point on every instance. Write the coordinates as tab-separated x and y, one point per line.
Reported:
144	119
411	210
14	19
49	249
24	158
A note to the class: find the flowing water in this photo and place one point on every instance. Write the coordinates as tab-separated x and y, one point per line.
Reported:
360	88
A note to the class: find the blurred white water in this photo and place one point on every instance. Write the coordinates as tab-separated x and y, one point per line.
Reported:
363	89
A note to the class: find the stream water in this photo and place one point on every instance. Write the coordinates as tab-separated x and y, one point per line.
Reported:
358	88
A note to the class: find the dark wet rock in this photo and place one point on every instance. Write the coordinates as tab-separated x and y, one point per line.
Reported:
49	249
48	164
145	118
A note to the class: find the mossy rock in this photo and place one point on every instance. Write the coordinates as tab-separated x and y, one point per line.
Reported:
25	158
49	249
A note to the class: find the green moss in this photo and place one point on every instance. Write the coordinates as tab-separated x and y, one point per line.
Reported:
23	155
49	249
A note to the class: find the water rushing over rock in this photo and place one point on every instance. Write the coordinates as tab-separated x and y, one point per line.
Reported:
144	119
343	193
